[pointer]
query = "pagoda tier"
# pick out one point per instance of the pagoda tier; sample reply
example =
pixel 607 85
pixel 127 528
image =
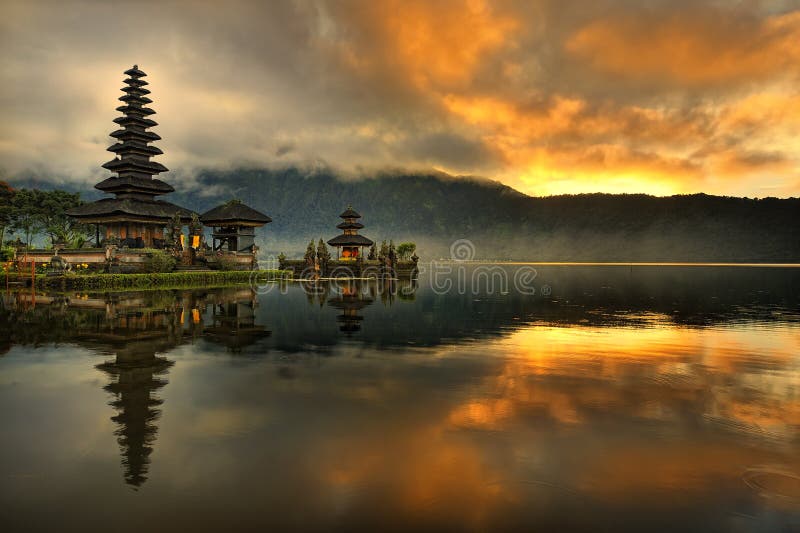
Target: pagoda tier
pixel 350 225
pixel 129 121
pixel 145 136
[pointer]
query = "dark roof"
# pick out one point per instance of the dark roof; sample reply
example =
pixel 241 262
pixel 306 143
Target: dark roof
pixel 129 109
pixel 350 225
pixel 132 147
pixel 234 211
pixel 135 72
pixel 134 82
pixel 130 206
pixel 138 90
pixel 350 213
pixel 147 136
pixel 146 185
pixel 350 302
pixel 135 98
pixel 350 240
pixel 128 120
pixel 136 165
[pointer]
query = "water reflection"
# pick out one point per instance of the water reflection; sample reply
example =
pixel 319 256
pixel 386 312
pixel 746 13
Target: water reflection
pixel 135 379
pixel 622 399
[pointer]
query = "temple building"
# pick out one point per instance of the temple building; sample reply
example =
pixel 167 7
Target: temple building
pixel 133 216
pixel 350 245
pixel 234 226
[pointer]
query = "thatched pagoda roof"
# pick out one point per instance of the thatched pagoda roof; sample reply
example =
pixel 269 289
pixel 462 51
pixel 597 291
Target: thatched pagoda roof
pixel 350 225
pixel 350 240
pixel 349 213
pixel 132 183
pixel 232 212
pixel 134 72
pixel 109 207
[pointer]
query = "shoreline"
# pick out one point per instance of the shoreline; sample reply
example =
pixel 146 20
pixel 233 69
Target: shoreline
pixel 161 280
pixel 623 263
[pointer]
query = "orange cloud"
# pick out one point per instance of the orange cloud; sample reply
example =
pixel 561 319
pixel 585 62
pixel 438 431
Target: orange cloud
pixel 432 44
pixel 689 47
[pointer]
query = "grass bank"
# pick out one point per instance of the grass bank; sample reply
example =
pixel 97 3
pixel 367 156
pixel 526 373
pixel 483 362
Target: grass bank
pixel 159 280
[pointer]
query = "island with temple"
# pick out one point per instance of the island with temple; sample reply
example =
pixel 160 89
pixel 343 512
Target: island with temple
pixel 357 256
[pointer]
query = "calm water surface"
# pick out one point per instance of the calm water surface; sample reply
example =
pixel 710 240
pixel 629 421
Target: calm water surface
pixel 613 398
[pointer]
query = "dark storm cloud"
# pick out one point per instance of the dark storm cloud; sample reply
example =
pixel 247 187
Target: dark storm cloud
pixel 546 96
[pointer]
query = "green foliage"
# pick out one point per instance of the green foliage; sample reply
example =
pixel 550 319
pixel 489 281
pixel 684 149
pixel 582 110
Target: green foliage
pixel 159 280
pixel 405 250
pixel 226 263
pixel 26 213
pixel 32 212
pixel 55 223
pixel 6 209
pixel 310 253
pixel 6 253
pixel 323 255
pixel 159 261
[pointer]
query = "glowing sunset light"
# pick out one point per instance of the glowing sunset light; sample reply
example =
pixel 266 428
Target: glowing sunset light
pixel 671 97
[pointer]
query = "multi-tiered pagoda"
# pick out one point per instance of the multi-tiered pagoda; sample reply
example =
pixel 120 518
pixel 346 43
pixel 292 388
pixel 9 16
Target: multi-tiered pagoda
pixel 350 245
pixel 133 216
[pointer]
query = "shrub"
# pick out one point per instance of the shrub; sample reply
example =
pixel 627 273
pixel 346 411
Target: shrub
pixel 6 253
pixel 163 280
pixel 159 261
pixel 224 262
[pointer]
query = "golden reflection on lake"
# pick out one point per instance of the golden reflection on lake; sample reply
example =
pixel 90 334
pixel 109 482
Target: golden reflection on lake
pixel 220 409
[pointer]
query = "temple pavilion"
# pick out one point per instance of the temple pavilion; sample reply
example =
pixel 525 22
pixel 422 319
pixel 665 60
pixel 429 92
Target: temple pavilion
pixel 234 226
pixel 133 215
pixel 350 245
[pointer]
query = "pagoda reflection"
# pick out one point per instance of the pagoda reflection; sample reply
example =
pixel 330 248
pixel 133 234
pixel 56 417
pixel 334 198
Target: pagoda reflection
pixel 350 297
pixel 135 330
pixel 233 320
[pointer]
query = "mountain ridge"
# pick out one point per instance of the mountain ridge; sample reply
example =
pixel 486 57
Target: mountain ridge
pixel 436 209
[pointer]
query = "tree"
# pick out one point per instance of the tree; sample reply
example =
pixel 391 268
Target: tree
pixel 373 253
pixel 310 254
pixel 6 209
pixel 384 250
pixel 405 250
pixel 55 222
pixel 27 215
pixel 322 254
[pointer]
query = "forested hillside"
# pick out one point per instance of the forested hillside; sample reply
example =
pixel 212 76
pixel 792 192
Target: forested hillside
pixel 505 224
pixel 435 210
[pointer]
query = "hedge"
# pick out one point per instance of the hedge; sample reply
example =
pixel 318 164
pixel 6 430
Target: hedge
pixel 161 279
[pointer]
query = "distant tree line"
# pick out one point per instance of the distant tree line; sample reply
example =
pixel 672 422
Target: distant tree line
pixel 32 213
pixel 435 210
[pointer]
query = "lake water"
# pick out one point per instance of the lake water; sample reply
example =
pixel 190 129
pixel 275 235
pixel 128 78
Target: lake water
pixel 584 398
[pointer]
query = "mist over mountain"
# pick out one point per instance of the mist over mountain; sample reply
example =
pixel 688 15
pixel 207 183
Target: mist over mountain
pixel 435 210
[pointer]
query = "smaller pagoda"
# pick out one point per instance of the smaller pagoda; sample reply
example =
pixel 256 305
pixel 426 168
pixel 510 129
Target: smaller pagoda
pixel 350 245
pixel 234 226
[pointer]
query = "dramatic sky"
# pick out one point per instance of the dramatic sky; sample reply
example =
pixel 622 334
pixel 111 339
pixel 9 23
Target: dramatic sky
pixel 547 96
